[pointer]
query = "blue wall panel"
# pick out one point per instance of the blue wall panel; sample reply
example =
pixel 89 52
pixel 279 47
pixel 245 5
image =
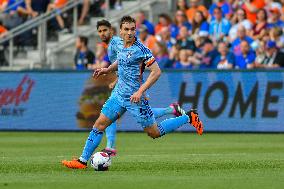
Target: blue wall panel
pixel 227 101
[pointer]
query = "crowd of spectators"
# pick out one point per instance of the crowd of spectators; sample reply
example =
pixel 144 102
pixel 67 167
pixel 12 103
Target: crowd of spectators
pixel 15 12
pixel 228 34
pixel 240 34
pixel 224 34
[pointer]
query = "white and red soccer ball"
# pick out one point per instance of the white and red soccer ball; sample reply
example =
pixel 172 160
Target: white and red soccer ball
pixel 100 161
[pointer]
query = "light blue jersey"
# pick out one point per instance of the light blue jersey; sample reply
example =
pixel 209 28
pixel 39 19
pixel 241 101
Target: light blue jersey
pixel 115 45
pixel 131 64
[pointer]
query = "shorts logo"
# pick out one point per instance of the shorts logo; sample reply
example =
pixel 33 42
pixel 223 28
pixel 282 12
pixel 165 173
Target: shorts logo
pixel 146 110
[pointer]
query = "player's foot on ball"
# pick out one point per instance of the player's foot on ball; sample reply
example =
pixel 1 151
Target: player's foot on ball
pixel 74 164
pixel 178 111
pixel 195 121
pixel 110 152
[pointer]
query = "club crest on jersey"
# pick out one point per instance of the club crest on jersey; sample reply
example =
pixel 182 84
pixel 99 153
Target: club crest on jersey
pixel 129 54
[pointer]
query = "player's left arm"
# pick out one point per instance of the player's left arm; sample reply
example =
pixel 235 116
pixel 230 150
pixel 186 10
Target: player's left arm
pixel 101 71
pixel 155 73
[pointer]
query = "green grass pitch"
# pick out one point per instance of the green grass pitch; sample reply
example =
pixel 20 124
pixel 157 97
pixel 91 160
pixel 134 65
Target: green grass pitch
pixel 180 160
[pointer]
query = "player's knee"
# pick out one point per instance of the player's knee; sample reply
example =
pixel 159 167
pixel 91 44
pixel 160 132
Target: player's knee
pixel 100 125
pixel 102 122
pixel 153 134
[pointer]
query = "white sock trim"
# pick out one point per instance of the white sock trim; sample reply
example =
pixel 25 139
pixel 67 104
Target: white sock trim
pixel 83 160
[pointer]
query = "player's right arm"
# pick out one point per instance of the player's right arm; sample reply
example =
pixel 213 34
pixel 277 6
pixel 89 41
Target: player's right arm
pixel 101 71
pixel 154 75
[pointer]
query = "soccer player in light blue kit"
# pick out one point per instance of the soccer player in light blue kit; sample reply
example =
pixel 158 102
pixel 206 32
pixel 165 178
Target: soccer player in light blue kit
pixel 115 44
pixel 130 95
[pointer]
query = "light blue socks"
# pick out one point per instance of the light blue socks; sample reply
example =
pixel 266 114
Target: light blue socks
pixel 92 143
pixel 169 125
pixel 159 112
pixel 111 135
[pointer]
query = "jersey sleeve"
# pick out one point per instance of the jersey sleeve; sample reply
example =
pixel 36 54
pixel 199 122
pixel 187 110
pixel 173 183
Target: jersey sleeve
pixel 114 48
pixel 147 56
pixel 112 54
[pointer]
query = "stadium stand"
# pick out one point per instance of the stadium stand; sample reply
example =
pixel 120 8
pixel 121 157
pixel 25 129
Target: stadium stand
pixel 196 34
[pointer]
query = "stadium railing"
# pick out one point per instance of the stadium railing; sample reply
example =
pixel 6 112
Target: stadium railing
pixel 18 2
pixel 91 31
pixel 40 22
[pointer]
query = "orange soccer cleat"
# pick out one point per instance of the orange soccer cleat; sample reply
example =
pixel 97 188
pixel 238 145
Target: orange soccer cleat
pixel 74 164
pixel 195 121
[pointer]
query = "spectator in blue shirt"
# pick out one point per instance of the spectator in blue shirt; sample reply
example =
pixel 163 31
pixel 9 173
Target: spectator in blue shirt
pixel 247 57
pixel 13 13
pixel 199 24
pixel 141 19
pixel 275 19
pixel 276 34
pixel 241 33
pixel 225 59
pixel 84 57
pixel 165 37
pixel 183 62
pixel 224 6
pixel 180 20
pixel 14 5
pixel 184 41
pixel 205 55
pixel 219 27
pixel 161 55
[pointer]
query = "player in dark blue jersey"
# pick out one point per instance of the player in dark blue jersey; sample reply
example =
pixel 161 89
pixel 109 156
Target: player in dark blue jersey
pixel 130 95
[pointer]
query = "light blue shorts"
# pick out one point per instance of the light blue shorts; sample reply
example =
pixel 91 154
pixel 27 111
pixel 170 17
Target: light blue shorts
pixel 116 106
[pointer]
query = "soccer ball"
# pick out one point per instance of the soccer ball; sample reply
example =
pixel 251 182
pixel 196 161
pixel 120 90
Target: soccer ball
pixel 100 161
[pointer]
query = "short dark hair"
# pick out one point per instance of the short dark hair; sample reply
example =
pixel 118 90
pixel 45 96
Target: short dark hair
pixel 208 40
pixel 245 41
pixel 103 23
pixel 84 40
pixel 165 16
pixel 127 19
pixel 219 9
pixel 223 42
